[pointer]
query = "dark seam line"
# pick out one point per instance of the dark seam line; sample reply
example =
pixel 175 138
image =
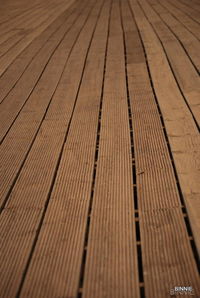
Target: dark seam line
pixel 177 38
pixel 134 175
pixel 40 49
pixel 32 42
pixel 22 36
pixel 188 226
pixel 186 4
pixel 21 13
pixel 174 16
pixel 84 256
pixel 37 131
pixel 55 173
pixel 185 13
pixel 171 68
pixel 35 85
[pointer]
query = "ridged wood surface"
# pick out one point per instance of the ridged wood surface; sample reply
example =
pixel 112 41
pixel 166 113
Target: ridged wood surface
pixel 99 148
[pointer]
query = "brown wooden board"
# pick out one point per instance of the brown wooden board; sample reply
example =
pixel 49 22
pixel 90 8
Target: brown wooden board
pixel 190 43
pixel 16 69
pixel 31 210
pixel 22 133
pixel 185 73
pixel 185 20
pixel 6 60
pixel 191 4
pixel 99 152
pixel 180 127
pixel 190 7
pixel 161 219
pixel 10 107
pixel 194 15
pixel 70 199
pixel 111 257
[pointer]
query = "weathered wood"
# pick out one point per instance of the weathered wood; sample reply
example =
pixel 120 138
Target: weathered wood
pixel 111 259
pixel 14 72
pixel 6 60
pixel 180 126
pixel 50 137
pixel 22 133
pixel 10 108
pixel 99 148
pixel 190 8
pixel 160 208
pixel 184 72
pixel 194 15
pixel 186 38
pixel 185 20
pixel 76 169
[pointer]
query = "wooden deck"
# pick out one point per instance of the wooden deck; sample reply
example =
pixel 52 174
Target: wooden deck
pixel 100 148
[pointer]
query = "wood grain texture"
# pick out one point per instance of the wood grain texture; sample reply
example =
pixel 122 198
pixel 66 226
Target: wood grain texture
pixel 188 9
pixel 14 72
pixel 181 129
pixel 6 60
pixel 186 38
pixel 26 85
pixel 51 140
pixel 185 20
pixel 184 72
pixel 99 148
pixel 111 263
pixel 64 231
pixel 25 128
pixel 160 213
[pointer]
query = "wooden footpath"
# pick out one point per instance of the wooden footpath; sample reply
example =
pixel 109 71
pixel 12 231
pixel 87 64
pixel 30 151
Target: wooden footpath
pixel 99 148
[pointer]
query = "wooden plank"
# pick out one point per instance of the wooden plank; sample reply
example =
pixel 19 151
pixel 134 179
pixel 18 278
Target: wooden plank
pixel 8 35
pixel 161 220
pixel 181 129
pixel 30 21
pixel 10 108
pixel 71 195
pixel 11 41
pixel 25 128
pixel 191 4
pixel 196 2
pixel 10 13
pixel 194 15
pixel 184 19
pixel 189 41
pixel 14 72
pixel 88 179
pixel 52 139
pixel 41 16
pixel 36 21
pixel 186 75
pixel 13 23
pixel 36 18
pixel 111 256
pixel 6 60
